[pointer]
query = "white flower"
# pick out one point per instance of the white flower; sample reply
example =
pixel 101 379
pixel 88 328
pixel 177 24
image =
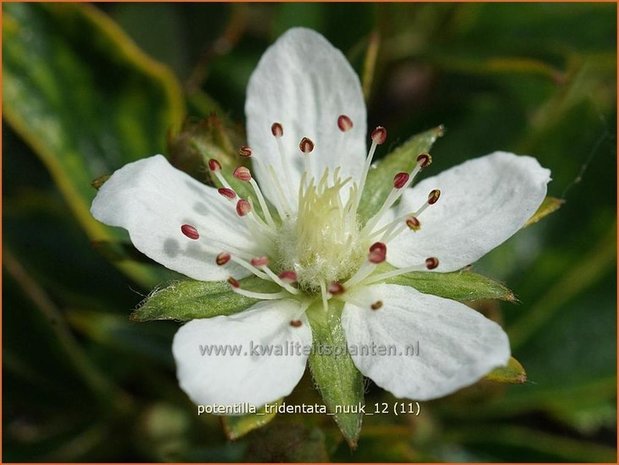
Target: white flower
pixel 306 123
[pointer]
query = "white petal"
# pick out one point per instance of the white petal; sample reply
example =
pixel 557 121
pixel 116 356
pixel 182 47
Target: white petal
pixel 227 379
pixel 483 202
pixel 152 200
pixel 457 345
pixel 304 83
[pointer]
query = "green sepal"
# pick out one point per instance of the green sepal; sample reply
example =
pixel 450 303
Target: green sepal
pixel 336 376
pixel 238 426
pixel 461 285
pixel 548 206
pixel 512 373
pixel 380 179
pixel 190 299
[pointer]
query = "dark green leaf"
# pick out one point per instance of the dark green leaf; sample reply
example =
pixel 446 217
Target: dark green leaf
pixel 460 285
pixel 86 100
pixel 337 378
pixel 380 179
pixel 188 300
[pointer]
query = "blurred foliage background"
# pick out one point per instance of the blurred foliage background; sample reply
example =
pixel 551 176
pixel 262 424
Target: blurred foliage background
pixel 88 88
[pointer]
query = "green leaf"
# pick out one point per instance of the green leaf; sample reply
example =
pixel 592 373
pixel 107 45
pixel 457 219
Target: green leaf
pixel 86 100
pixel 190 299
pixel 335 375
pixel 512 373
pixel 238 426
pixel 380 179
pixel 463 285
pixel 548 206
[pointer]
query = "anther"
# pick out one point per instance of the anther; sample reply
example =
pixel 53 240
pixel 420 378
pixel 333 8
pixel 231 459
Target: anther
pixel 336 288
pixel 277 130
pixel 227 193
pixel 378 253
pixel 413 223
pixel 306 145
pixel 424 160
pixel 377 305
pixel 190 231
pixel 242 173
pixel 243 207
pixel 288 276
pixel 214 165
pixel 222 258
pixel 431 263
pixel 296 323
pixel 379 135
pixel 344 123
pixel 434 196
pixel 245 151
pixel 260 261
pixel 400 180
pixel 234 283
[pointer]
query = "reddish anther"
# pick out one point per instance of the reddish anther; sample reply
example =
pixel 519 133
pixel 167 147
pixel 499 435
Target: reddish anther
pixel 190 231
pixel 245 151
pixel 233 282
pixel 214 165
pixel 378 253
pixel 296 323
pixel 222 258
pixel 336 288
pixel 277 130
pixel 243 207
pixel 413 223
pixel 431 263
pixel 344 123
pixel 306 145
pixel 288 276
pixel 242 174
pixel 260 261
pixel 424 160
pixel 227 193
pixel 434 196
pixel 379 135
pixel 377 305
pixel 400 180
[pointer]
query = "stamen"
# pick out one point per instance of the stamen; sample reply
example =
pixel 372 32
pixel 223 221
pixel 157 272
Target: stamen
pixel 277 280
pixel 378 253
pixel 296 323
pixel 431 263
pixel 434 196
pixel 243 207
pixel 190 231
pixel 336 288
pixel 288 276
pixel 344 123
pixel 379 135
pixel 306 145
pixel 245 151
pixel 214 165
pixel 222 258
pixel 400 180
pixel 242 173
pixel 260 295
pixel 277 130
pixel 325 296
pixel 413 223
pixel 260 261
pixel 234 283
pixel 227 193
pixel 377 305
pixel 424 160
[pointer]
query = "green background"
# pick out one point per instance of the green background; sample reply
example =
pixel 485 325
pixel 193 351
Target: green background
pixel 87 89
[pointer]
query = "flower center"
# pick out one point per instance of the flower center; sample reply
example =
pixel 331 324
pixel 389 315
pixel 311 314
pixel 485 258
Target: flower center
pixel 323 243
